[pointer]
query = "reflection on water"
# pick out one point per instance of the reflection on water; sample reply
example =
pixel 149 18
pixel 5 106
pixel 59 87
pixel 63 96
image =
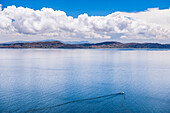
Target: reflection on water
pixel 42 78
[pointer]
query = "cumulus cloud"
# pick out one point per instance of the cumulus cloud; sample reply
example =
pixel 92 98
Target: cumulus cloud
pixel 152 15
pixel 149 24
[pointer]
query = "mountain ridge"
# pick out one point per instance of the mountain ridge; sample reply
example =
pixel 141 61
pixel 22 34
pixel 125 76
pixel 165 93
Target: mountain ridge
pixel 107 44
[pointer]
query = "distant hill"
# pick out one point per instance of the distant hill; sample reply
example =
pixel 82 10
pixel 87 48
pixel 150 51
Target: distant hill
pixel 58 44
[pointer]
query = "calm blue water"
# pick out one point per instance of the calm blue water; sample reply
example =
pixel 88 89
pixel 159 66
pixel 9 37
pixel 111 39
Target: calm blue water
pixel 39 78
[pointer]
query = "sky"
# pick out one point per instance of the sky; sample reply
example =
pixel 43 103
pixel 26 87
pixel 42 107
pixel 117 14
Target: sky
pixel 88 20
pixel 91 7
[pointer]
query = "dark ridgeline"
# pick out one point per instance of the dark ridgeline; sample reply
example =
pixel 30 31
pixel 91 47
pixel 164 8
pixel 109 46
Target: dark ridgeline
pixel 57 44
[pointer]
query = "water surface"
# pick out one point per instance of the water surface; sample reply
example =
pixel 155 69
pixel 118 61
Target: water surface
pixel 40 78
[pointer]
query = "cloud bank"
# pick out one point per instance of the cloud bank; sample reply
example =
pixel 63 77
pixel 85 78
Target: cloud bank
pixel 26 22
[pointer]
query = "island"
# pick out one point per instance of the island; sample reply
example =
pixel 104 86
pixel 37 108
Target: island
pixel 58 44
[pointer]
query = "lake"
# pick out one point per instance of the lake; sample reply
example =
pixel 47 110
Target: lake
pixel 37 80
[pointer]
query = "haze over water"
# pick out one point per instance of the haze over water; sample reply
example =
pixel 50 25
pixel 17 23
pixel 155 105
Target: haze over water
pixel 40 78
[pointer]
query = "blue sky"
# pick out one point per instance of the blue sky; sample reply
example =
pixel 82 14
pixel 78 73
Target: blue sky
pixel 87 20
pixel 91 7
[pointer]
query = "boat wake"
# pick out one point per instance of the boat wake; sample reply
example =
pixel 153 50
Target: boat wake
pixel 49 107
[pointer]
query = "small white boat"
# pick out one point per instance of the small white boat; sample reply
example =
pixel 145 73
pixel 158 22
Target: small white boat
pixel 122 92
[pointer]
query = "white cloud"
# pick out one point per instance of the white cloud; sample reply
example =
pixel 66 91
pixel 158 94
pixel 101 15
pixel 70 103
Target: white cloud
pixel 152 15
pixel 26 22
